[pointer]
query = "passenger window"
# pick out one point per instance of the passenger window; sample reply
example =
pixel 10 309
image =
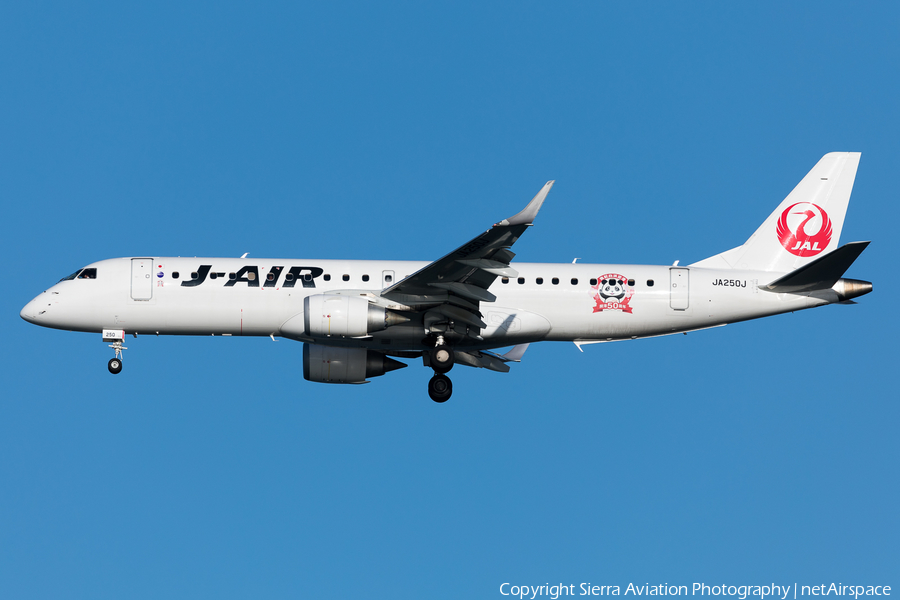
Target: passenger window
pixel 649 283
pixel 326 277
pixel 574 281
pixel 88 274
pixel 593 282
pixel 521 280
pixel 270 277
pixel 388 278
pixel 213 275
pixel 194 275
pixel 346 278
pixel 175 275
pixel 555 281
pixel 539 280
pixel 289 277
pixel 251 276
pixel 505 280
pixel 232 276
pixel 631 282
pixel 365 278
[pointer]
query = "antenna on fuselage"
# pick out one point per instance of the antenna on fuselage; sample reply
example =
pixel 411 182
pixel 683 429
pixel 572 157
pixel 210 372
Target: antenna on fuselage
pixel 244 255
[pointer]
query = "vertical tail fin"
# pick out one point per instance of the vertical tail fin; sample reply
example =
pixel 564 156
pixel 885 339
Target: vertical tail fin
pixel 806 225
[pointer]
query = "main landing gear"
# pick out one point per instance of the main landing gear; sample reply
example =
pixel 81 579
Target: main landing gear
pixel 441 360
pixel 440 387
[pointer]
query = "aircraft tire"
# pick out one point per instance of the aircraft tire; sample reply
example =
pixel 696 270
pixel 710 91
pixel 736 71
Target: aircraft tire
pixel 440 388
pixel 114 366
pixel 441 359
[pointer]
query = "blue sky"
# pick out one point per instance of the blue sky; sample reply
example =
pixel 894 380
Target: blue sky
pixel 756 453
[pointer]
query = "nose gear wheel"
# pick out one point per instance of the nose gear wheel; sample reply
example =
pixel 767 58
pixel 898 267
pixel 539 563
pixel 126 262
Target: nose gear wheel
pixel 115 364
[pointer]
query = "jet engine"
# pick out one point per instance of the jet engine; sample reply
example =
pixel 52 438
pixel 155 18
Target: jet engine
pixel 327 364
pixel 327 315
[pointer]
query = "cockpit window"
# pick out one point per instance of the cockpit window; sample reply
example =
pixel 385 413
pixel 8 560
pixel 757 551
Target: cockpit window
pixel 81 274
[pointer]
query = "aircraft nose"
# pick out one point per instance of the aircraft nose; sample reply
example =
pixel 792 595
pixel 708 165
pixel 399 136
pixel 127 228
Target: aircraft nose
pixel 29 312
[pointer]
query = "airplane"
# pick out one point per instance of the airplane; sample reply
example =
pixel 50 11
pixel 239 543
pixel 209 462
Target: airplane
pixel 356 318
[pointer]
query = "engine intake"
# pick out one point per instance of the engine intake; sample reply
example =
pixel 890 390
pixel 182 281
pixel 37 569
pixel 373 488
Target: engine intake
pixel 327 315
pixel 327 364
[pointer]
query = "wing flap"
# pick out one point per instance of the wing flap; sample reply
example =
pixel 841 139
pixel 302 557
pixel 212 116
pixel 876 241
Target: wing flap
pixel 493 267
pixel 471 292
pixel 459 314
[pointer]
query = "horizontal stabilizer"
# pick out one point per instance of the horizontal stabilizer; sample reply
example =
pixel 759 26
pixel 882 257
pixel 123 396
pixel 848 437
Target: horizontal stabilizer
pixel 820 274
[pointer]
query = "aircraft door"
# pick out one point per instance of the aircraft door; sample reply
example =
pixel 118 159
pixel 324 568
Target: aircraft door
pixel 679 288
pixel 141 278
pixel 387 279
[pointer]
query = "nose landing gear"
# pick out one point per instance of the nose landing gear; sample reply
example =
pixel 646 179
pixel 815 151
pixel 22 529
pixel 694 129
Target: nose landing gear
pixel 116 336
pixel 115 364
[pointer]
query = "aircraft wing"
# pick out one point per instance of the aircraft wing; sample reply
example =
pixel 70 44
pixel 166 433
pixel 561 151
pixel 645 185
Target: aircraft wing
pixel 460 280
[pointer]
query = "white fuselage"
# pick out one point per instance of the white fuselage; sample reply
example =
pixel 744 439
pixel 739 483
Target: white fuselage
pixel 546 302
pixel 356 317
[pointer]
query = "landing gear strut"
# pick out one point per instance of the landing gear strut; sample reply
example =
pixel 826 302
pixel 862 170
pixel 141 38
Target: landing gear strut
pixel 441 359
pixel 115 364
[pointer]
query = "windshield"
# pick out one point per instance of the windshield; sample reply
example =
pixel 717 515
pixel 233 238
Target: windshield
pixel 81 274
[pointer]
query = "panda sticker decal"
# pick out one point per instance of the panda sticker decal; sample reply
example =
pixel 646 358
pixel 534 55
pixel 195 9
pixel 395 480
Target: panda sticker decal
pixel 612 292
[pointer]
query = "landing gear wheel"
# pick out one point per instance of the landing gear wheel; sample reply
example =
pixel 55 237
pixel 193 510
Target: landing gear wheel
pixel 441 358
pixel 440 387
pixel 115 365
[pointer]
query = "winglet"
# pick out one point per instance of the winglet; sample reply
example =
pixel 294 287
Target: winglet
pixel 515 355
pixel 526 217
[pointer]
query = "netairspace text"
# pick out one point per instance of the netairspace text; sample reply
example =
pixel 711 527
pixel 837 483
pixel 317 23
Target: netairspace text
pixel 741 592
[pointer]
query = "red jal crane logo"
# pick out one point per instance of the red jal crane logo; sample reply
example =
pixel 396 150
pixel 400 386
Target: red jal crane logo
pixel 805 217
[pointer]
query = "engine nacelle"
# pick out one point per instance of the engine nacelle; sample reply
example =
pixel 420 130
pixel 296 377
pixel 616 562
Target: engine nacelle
pixel 327 315
pixel 327 364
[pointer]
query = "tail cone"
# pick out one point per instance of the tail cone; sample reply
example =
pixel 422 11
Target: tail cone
pixel 377 364
pixel 848 289
pixel 392 318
